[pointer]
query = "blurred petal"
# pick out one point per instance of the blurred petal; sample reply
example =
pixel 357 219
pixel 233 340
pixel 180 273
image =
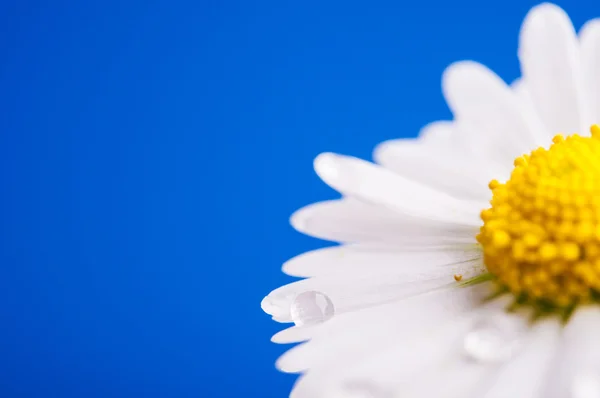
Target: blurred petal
pixel 551 66
pixel 590 55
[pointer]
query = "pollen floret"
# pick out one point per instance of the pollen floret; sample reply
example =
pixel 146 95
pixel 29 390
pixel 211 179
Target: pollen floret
pixel 541 236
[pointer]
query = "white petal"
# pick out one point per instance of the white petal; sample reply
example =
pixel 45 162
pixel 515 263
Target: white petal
pixel 439 167
pixel 551 66
pixel 454 373
pixel 405 344
pixel 579 355
pixel 372 259
pixel 439 134
pixel 355 291
pixel 374 184
pixel 349 220
pixel 457 144
pixel 343 323
pixel 590 55
pixel 361 332
pixel 525 376
pixel 520 89
pixel 345 220
pixel 486 109
pixel 295 334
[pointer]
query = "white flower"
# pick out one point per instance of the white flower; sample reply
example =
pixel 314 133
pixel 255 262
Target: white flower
pixel 407 306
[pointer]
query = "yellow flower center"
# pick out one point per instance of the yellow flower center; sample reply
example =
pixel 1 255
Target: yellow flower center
pixel 541 236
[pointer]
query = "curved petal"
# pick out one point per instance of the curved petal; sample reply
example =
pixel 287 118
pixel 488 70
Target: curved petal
pixel 355 291
pixel 374 184
pixel 578 362
pixel 590 55
pixel 436 167
pixel 376 259
pixel 551 65
pixel 387 357
pixel 439 134
pixel 456 372
pixel 349 220
pixel 494 120
pixel 525 376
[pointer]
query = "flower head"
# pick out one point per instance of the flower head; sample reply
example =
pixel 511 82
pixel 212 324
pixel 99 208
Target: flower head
pixel 446 284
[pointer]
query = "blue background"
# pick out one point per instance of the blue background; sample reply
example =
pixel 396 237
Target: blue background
pixel 152 151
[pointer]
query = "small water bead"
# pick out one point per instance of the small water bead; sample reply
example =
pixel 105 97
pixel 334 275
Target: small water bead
pixel 493 339
pixel 311 308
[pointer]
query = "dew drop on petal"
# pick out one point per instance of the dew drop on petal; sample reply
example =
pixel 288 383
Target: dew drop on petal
pixel 311 308
pixel 585 385
pixel 493 339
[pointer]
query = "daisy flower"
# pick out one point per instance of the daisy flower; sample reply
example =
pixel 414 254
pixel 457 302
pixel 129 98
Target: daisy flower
pixel 469 258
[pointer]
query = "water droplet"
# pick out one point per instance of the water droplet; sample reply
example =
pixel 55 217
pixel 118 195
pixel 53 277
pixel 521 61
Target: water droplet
pixel 493 339
pixel 310 308
pixel 362 389
pixel 585 386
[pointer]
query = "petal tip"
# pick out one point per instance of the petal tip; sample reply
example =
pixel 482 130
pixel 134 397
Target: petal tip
pixel 544 16
pixel 287 364
pixel 269 306
pixel 299 221
pixel 291 335
pixel 456 73
pixel 381 151
pixel 590 29
pixel 546 7
pixel 326 167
